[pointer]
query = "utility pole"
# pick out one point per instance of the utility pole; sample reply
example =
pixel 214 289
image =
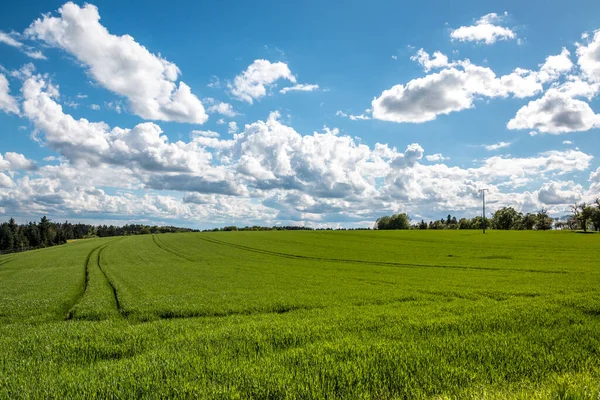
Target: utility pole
pixel 483 194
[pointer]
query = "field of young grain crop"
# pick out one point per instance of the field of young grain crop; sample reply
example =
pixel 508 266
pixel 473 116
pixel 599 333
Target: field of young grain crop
pixel 323 314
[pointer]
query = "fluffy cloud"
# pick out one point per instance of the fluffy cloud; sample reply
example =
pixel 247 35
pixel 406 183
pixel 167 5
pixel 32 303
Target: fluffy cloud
pixel 142 149
pixel 222 108
pixel 589 57
pixel 12 40
pixel 232 127
pixel 15 161
pixel 209 134
pixel 435 157
pixel 272 155
pixel 496 146
pixel 300 88
pixel 460 83
pixel 554 66
pixel 267 172
pixel 7 102
pixel 360 117
pixel 555 113
pixel 252 84
pixel 439 60
pixel 449 90
pixel 120 64
pixel 560 193
pixel 485 30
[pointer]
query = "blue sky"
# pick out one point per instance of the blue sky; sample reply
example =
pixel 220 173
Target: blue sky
pixel 328 114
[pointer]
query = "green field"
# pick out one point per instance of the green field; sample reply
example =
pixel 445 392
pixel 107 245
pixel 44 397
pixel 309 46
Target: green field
pixel 323 314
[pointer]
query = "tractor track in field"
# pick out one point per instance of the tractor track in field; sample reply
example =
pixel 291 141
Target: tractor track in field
pixel 88 258
pixel 382 263
pixel 112 286
pixel 169 249
pixel 7 261
pixel 85 282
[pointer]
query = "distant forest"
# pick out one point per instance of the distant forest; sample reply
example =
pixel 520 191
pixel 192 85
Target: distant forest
pixel 584 217
pixel 45 233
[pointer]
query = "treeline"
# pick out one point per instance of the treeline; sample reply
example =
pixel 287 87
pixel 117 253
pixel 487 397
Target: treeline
pixel 45 233
pixel 585 217
pixel 278 228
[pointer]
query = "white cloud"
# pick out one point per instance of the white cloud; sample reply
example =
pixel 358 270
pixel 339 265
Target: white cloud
pixel 143 149
pixel 360 117
pixel 589 57
pixel 5 181
pixel 450 90
pixel 436 157
pixel 232 127
pixel 439 60
pixel 11 40
pixel 95 107
pixel 485 30
pixel 554 66
pixel 560 193
pixel 120 64
pixel 461 83
pixel 496 146
pixel 567 142
pixel 300 88
pixel 15 161
pixel 7 102
pixel 555 113
pixel 253 82
pixel 223 109
pixel 210 134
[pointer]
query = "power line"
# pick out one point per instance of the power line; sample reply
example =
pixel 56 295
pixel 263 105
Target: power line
pixel 483 215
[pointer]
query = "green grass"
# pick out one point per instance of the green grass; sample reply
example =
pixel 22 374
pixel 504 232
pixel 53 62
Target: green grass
pixel 356 314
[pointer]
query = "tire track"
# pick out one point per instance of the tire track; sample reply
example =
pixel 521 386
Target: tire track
pixel 7 261
pixel 85 283
pixel 382 263
pixel 169 249
pixel 112 286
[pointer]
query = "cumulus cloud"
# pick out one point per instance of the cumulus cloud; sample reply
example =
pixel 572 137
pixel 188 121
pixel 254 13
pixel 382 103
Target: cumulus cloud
pixel 560 193
pixel 120 64
pixel 7 102
pixel 252 84
pixel 554 66
pixel 436 157
pixel 439 60
pixel 15 161
pixel 449 90
pixel 555 113
pixel 486 30
pixel 222 108
pixel 232 127
pixel 143 149
pixel 496 146
pixel 300 88
pixel 588 55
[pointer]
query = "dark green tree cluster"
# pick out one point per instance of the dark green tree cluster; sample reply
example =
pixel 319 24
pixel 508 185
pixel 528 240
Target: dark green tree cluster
pixel 503 219
pixel 586 216
pixel 45 233
pixel 233 228
pixel 507 218
pixel 396 221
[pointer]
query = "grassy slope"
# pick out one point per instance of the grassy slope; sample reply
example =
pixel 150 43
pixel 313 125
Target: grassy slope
pixel 304 314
